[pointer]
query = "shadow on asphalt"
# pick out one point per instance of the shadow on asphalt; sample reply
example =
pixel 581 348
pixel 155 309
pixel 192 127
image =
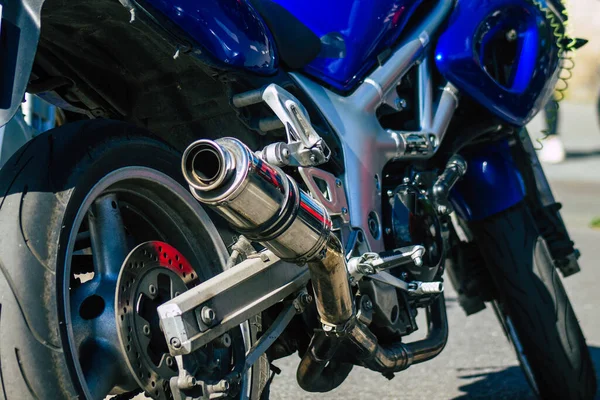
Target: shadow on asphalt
pixel 508 381
pixel 571 155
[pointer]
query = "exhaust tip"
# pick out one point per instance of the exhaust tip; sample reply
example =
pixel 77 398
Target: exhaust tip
pixel 204 165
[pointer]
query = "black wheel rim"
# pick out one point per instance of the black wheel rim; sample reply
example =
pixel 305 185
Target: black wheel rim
pixel 127 207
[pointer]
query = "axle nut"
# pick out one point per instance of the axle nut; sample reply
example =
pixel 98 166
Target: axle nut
pixel 208 315
pixel 175 343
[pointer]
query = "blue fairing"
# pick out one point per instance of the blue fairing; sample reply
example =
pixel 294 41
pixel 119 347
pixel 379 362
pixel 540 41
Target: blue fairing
pixel 358 31
pixel 464 49
pixel 492 183
pixel 230 30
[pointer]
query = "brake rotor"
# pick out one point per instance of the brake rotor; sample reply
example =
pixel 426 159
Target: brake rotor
pixel 152 274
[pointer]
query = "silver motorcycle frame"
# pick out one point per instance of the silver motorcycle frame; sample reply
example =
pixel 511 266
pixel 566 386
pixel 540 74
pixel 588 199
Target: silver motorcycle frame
pixel 367 146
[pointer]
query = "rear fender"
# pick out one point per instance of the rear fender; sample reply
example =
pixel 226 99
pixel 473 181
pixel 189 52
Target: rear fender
pixel 19 35
pixel 230 30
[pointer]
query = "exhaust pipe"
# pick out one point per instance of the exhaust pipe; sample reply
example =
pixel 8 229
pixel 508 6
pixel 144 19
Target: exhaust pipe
pixel 399 356
pixel 315 374
pixel 205 166
pixel 264 204
pixel 259 200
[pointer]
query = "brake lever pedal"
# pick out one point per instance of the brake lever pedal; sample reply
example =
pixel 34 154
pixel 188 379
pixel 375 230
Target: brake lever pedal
pixel 372 263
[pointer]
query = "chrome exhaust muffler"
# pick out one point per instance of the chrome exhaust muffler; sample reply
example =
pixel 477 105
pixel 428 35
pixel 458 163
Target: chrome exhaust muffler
pixel 258 199
pixel 265 205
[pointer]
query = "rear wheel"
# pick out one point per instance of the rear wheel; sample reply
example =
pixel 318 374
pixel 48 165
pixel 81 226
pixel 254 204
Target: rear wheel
pixel 533 307
pixel 75 201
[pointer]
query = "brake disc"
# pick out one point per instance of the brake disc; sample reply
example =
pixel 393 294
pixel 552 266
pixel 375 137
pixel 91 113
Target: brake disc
pixel 153 273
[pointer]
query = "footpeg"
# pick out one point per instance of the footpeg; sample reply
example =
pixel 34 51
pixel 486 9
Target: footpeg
pixel 421 288
pixel 414 288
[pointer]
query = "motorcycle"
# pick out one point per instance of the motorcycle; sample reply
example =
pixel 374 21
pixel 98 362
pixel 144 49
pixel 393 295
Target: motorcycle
pixel 237 181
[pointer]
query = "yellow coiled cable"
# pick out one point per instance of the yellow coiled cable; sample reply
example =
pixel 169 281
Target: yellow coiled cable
pixel 566 47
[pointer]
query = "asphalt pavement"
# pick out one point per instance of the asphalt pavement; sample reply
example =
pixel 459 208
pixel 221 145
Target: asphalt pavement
pixel 478 362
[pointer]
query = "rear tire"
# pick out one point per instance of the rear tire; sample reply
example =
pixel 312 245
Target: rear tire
pixel 42 188
pixel 533 301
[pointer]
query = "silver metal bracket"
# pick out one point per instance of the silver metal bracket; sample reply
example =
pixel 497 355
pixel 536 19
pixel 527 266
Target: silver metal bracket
pixel 185 386
pixel 207 311
pixel 304 146
pixel 327 189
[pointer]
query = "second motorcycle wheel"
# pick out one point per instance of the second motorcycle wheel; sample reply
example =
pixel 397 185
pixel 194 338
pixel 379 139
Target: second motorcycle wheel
pixel 533 307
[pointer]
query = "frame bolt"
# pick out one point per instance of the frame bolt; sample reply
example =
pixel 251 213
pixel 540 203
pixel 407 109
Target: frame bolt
pixel 146 330
pixel 511 35
pixel 297 306
pixel 191 381
pixel 220 387
pixel 223 341
pixel 400 104
pixel 344 210
pixel 368 305
pixel 208 315
pixel 175 343
pixel 186 382
pixel 418 261
pixel 306 298
pixel 169 361
pixel 338 183
pixel 152 289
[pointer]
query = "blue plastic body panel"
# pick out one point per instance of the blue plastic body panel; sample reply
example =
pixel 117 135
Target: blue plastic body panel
pixel 491 185
pixel 230 30
pixel 461 48
pixel 365 28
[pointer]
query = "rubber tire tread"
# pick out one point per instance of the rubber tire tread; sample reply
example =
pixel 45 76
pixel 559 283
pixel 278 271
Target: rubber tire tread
pixel 534 298
pixel 38 185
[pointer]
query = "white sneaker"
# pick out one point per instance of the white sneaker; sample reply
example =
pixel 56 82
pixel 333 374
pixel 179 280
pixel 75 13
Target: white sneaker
pixel 553 151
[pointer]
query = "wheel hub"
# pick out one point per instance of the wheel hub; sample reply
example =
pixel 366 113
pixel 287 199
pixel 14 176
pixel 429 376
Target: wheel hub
pixel 152 274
